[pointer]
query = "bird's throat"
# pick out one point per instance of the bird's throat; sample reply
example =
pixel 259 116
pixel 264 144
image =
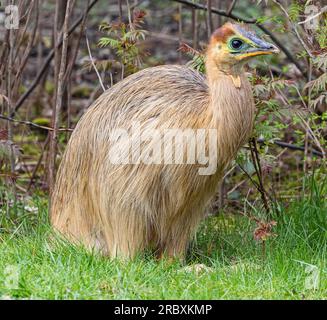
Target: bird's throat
pixel 217 72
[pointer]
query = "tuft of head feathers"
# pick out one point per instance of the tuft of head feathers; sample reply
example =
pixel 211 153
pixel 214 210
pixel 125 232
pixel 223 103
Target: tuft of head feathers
pixel 222 34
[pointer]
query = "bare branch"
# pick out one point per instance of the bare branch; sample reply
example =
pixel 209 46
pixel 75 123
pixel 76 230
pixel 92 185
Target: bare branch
pixel 48 60
pixel 32 124
pixel 214 10
pixel 292 147
pixel 209 18
pixel 59 96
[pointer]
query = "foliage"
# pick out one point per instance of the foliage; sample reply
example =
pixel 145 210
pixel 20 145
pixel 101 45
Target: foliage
pixel 123 39
pixel 197 58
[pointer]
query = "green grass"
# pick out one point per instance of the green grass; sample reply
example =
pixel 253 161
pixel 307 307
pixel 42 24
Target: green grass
pixel 42 267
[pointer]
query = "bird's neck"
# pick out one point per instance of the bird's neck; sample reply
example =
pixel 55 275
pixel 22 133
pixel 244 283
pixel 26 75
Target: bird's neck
pixel 216 71
pixel 232 110
pixel 213 77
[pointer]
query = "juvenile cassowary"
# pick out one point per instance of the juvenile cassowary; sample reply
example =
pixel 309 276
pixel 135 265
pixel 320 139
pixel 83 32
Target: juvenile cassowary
pixel 124 205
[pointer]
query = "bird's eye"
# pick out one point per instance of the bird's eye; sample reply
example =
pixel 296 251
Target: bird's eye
pixel 236 43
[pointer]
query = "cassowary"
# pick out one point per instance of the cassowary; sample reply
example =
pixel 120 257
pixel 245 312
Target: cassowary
pixel 115 192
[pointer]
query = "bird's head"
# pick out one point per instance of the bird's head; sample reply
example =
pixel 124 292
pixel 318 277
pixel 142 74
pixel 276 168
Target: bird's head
pixel 233 44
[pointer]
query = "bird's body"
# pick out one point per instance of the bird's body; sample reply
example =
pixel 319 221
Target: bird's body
pixel 123 209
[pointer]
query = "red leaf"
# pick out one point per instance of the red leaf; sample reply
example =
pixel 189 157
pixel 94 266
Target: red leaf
pixel 3 134
pixel 263 231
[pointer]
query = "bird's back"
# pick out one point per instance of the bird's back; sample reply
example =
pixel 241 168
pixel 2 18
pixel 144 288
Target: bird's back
pixel 165 96
pixel 169 94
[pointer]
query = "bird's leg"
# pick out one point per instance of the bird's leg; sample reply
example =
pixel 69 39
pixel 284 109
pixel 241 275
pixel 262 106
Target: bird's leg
pixel 126 236
pixel 174 244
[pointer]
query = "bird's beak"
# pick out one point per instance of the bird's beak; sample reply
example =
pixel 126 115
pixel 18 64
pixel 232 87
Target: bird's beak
pixel 261 47
pixel 259 51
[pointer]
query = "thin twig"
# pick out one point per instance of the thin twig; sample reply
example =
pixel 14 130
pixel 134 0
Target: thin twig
pixel 231 7
pixel 209 18
pixel 257 167
pixel 249 176
pixel 195 28
pixel 34 125
pixel 180 29
pixel 323 10
pixel 93 64
pixel 38 164
pixel 10 75
pixel 120 4
pixel 75 54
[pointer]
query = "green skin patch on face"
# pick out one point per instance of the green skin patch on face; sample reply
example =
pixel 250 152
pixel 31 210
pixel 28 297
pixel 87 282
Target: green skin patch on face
pixel 243 48
pixel 248 43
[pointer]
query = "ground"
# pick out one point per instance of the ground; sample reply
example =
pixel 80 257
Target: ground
pixel 224 261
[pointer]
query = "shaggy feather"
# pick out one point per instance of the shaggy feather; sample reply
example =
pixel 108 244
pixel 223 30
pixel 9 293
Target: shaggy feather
pixel 124 209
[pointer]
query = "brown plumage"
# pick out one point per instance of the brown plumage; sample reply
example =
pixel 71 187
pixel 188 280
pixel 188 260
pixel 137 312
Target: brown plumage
pixel 124 209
